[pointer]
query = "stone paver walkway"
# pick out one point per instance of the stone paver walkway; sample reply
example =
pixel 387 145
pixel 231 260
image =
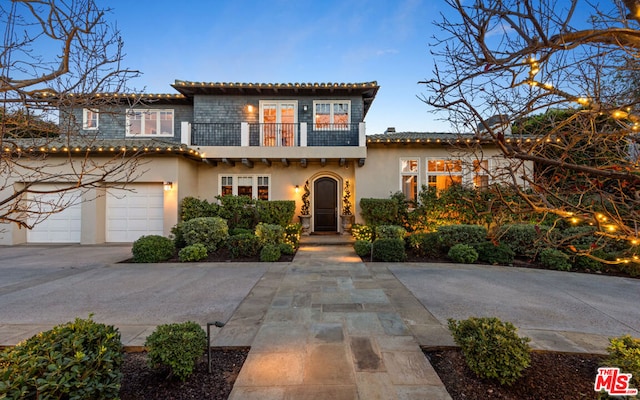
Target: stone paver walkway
pixel 327 326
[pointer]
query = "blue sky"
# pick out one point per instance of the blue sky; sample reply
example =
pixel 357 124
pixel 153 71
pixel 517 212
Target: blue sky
pixel 282 41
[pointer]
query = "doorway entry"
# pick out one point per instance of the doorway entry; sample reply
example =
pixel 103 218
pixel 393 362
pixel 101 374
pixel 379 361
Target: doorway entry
pixel 325 201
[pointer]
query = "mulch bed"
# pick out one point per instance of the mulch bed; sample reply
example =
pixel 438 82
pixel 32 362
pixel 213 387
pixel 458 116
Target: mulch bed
pixel 551 376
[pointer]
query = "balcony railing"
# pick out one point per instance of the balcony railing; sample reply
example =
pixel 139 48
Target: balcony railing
pixel 276 135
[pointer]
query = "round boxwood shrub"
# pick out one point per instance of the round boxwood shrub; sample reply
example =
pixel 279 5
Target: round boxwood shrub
pixel 194 252
pixel 492 348
pixel 177 347
pixel 287 248
pixel 490 253
pixel 555 259
pixel 76 360
pixel 152 249
pixel 270 233
pixel 450 235
pixel 390 232
pixel 463 253
pixel 362 248
pixel 212 232
pixel 270 253
pixel 389 250
pixel 243 245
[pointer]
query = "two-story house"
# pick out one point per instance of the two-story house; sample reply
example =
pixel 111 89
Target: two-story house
pixel 262 140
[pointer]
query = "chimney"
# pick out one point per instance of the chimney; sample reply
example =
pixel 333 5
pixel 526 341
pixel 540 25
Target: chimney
pixel 390 129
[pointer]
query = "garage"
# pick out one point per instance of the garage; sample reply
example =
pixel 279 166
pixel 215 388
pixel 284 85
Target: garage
pixel 59 227
pixel 135 211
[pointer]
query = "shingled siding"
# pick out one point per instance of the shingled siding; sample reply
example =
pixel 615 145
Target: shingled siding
pixel 112 122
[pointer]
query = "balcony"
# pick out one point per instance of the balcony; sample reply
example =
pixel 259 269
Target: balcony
pixel 264 141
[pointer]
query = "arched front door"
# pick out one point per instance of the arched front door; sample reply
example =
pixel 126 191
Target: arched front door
pixel 325 202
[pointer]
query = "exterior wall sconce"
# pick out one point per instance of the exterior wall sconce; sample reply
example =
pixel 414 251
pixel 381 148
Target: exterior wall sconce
pixel 297 189
pixel 168 186
pixel 305 108
pixel 249 108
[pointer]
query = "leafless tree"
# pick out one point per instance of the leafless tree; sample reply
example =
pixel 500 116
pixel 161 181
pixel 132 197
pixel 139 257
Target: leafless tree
pixel 563 74
pixel 57 55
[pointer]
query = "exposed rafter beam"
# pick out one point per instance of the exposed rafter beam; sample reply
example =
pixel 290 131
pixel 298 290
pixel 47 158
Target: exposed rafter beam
pixel 248 163
pixel 342 162
pixel 323 162
pixel 303 162
pixel 229 162
pixel 285 162
pixel 361 162
pixel 210 162
pixel 266 162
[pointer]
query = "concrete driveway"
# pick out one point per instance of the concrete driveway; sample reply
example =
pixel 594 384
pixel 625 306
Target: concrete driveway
pixel 41 286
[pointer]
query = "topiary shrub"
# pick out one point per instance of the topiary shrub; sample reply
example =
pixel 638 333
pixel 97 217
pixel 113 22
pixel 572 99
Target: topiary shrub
pixel 76 360
pixel 177 347
pixel 270 253
pixel 362 248
pixel 389 250
pixel 492 348
pixel 425 244
pixel 390 232
pixel 287 248
pixel 194 252
pixel 212 232
pixel 490 253
pixel 152 249
pixel 243 245
pixel 525 240
pixel 554 259
pixel 269 233
pixel 463 253
pixel 362 232
pixel 624 353
pixel 451 235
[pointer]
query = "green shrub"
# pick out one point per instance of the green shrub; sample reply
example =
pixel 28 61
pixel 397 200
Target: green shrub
pixel 243 245
pixel 191 208
pixel 176 346
pixel 490 253
pixel 362 248
pixel 210 231
pixel 524 239
pixel 492 348
pixel 362 232
pixel 238 231
pixel 76 360
pixel 451 235
pixel 269 233
pixel 390 232
pixel 624 353
pixel 239 211
pixel 287 249
pixel 554 259
pixel 279 212
pixel 425 244
pixel 379 211
pixel 270 253
pixel 389 250
pixel 177 236
pixel 194 252
pixel 584 263
pixel 292 234
pixel 463 253
pixel 152 249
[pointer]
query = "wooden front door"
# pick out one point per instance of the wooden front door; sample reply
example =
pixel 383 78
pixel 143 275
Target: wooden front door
pixel 325 200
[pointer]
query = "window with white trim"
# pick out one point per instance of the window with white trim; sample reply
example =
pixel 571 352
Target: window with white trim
pixel 443 173
pixel 409 170
pixel 331 114
pixel 481 174
pixel 254 186
pixel 90 119
pixel 157 123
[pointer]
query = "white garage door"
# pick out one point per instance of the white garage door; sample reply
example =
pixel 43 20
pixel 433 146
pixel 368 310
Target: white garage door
pixel 134 212
pixel 59 227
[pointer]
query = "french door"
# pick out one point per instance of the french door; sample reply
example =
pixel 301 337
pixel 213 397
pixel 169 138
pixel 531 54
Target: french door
pixel 278 123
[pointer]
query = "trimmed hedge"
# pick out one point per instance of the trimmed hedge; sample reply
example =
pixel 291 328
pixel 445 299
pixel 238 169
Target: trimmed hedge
pixel 152 249
pixel 212 232
pixel 451 235
pixel 362 248
pixel 194 252
pixel 390 232
pixel 191 207
pixel 270 233
pixel 389 250
pixel 524 239
pixel 243 245
pixel 426 244
pixel 76 360
pixel 379 211
pixel 270 253
pixel 279 212
pixel 554 259
pixel 490 253
pixel 463 253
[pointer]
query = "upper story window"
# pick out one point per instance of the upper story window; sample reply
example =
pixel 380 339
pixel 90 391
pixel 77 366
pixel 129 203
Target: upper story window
pixel 443 173
pixel 409 169
pixel 331 114
pixel 90 118
pixel 149 122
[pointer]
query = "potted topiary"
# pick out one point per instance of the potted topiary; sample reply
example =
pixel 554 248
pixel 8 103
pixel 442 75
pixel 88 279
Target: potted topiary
pixel 305 215
pixel 346 216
